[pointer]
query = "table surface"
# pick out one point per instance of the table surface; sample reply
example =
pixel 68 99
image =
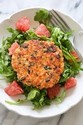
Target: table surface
pixel 75 9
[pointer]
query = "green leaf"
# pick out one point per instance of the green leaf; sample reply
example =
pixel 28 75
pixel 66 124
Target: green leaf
pixel 43 16
pixel 33 94
pixel 57 34
pixel 19 101
pixel 11 30
pixel 60 38
pixel 61 96
pixel 41 100
pixel 68 72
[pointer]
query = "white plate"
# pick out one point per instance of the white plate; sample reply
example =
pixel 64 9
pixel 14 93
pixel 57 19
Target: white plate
pixel 73 96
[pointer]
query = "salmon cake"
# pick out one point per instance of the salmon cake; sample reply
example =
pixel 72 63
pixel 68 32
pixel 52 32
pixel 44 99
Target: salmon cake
pixel 38 63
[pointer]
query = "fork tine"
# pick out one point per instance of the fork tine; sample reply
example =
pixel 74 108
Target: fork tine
pixel 65 24
pixel 56 22
pixel 57 19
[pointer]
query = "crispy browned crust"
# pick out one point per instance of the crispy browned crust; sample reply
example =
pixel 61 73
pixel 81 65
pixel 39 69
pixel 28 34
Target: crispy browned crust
pixel 38 63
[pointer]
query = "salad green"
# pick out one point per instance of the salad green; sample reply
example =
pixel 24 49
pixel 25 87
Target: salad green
pixel 60 38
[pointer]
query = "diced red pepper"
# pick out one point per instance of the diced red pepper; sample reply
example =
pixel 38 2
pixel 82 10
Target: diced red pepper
pixel 70 83
pixel 13 89
pixel 42 31
pixel 23 24
pixel 54 91
pixel 75 55
pixel 13 47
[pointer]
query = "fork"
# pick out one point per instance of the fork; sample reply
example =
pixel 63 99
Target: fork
pixel 58 21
